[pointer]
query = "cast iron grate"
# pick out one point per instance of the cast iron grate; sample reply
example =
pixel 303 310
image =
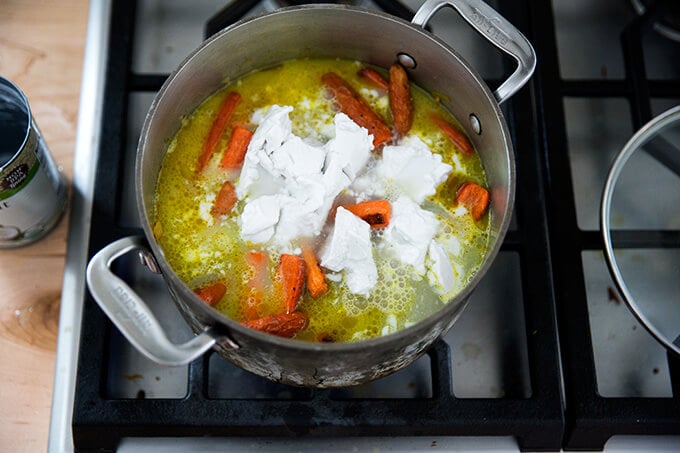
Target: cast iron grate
pixel 536 421
pixel 236 10
pixel 590 418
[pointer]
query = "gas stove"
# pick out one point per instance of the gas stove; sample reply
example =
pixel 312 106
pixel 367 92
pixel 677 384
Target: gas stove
pixel 544 358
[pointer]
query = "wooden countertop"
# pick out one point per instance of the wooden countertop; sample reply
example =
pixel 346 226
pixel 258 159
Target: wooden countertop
pixel 41 50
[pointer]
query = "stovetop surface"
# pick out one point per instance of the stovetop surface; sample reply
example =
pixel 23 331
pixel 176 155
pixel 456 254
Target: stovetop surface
pixel 544 357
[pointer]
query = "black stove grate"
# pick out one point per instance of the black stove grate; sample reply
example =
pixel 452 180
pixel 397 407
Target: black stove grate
pixel 590 418
pixel 236 10
pixel 552 289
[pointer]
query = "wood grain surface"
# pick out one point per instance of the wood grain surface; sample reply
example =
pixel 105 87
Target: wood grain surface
pixel 41 50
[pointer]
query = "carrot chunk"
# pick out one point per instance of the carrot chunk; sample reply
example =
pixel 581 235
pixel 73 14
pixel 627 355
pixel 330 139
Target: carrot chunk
pixel 227 108
pixel 401 102
pixel 225 201
pixel 211 294
pixel 353 105
pixel 236 150
pixel 374 212
pixel 316 280
pixel 374 78
pixel 291 272
pixel 474 197
pixel 157 230
pixel 459 139
pixel 257 262
pixel 282 325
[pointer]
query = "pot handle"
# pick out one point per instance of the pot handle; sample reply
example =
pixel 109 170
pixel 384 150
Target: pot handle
pixel 132 316
pixel 496 30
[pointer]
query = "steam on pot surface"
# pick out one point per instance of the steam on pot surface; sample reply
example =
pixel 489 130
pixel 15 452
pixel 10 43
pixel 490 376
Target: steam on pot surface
pixel 323 200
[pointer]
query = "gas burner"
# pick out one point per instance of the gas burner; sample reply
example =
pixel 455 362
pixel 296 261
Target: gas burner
pixel 668 24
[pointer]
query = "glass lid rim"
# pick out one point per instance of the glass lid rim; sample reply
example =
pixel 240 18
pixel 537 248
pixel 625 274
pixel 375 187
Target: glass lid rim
pixel 641 137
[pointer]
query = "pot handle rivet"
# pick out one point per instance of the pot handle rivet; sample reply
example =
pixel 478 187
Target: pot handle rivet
pixel 406 60
pixel 476 125
pixel 149 261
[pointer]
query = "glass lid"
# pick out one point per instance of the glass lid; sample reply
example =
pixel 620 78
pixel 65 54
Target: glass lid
pixel 640 223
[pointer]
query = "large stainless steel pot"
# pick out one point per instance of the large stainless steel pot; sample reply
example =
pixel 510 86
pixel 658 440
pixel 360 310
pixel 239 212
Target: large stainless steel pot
pixel 261 42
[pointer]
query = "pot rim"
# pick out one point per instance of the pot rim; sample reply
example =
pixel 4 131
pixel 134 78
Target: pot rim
pixel 226 324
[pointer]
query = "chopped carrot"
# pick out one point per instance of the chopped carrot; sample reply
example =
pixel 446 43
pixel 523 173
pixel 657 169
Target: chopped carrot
pixel 291 272
pixel 374 78
pixel 282 325
pixel 401 102
pixel 474 197
pixel 257 262
pixel 458 138
pixel 225 201
pixel 374 212
pixel 316 280
pixel 227 108
pixel 211 294
pixel 353 105
pixel 157 230
pixel 236 150
pixel 256 259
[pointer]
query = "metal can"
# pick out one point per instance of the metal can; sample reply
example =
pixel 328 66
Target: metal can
pixel 33 192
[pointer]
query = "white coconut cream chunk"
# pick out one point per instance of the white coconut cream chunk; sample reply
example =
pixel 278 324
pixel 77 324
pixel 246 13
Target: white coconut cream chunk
pixel 348 249
pixel 348 151
pixel 440 270
pixel 409 233
pixel 303 176
pixel 259 218
pixel 409 168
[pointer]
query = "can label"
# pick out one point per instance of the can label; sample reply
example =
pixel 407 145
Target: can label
pixel 32 190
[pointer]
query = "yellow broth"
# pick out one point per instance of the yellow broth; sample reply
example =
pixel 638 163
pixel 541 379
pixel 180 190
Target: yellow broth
pixel 201 253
